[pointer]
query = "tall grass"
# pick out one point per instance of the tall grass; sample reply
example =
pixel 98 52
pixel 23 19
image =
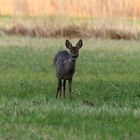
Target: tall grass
pixel 117 19
pixel 78 8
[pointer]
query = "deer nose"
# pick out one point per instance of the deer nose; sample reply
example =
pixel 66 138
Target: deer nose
pixel 74 57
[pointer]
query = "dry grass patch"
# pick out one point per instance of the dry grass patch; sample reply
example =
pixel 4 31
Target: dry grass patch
pixel 72 31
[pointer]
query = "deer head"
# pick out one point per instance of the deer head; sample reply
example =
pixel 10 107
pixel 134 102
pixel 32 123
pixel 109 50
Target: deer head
pixel 74 50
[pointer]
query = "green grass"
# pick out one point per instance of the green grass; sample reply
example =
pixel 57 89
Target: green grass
pixel 107 75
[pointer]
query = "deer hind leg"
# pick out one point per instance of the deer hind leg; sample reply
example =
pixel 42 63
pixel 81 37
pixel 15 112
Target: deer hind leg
pixel 64 87
pixel 59 87
pixel 70 87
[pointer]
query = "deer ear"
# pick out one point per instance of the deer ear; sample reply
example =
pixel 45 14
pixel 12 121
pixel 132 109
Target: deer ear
pixel 79 44
pixel 68 44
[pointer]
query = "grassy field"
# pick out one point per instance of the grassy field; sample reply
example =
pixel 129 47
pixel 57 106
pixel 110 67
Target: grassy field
pixel 106 91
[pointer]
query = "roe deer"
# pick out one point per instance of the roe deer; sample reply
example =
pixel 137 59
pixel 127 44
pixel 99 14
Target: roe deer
pixel 64 63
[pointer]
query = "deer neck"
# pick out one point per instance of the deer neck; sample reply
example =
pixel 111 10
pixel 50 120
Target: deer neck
pixel 71 62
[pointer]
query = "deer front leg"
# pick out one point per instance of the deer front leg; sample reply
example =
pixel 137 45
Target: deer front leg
pixel 70 85
pixel 60 91
pixel 59 87
pixel 64 87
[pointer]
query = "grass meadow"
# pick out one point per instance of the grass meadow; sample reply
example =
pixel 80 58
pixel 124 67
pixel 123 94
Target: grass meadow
pixel 106 91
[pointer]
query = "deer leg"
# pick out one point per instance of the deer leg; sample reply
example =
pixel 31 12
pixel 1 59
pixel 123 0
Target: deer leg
pixel 58 87
pixel 70 85
pixel 64 87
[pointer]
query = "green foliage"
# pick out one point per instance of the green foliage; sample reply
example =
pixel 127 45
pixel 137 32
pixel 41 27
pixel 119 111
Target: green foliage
pixel 106 91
